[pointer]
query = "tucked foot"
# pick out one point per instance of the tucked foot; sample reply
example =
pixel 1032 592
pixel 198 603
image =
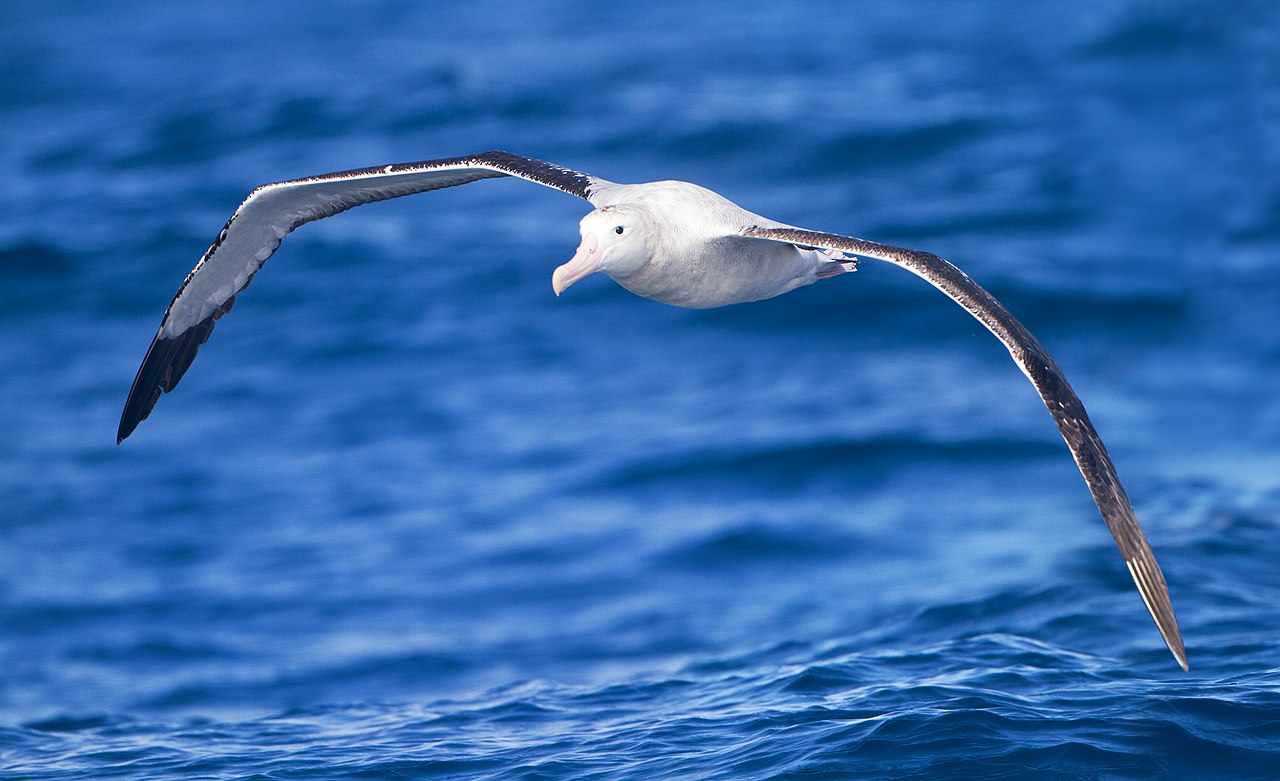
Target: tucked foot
pixel 837 268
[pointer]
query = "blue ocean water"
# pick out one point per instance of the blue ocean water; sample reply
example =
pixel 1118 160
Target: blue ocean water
pixel 411 516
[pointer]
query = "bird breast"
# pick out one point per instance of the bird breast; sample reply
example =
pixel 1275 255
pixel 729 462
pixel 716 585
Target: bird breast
pixel 722 271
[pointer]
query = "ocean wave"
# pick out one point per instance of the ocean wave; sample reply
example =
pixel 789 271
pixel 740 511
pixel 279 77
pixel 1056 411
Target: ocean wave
pixel 855 715
pixel 786 463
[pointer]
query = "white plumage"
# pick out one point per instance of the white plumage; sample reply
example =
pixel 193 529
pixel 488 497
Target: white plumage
pixel 674 242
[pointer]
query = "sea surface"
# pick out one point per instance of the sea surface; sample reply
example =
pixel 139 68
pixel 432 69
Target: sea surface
pixel 410 516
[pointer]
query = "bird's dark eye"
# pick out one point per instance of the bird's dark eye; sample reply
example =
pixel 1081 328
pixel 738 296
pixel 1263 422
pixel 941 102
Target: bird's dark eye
pixel 618 230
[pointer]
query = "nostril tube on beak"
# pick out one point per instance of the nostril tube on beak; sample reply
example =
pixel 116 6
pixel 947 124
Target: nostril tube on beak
pixel 584 262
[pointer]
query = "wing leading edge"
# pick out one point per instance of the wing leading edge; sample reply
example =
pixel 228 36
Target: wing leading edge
pixel 1058 396
pixel 270 213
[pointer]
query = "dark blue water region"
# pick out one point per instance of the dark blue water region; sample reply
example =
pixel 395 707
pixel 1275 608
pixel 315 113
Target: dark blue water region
pixel 988 706
pixel 412 516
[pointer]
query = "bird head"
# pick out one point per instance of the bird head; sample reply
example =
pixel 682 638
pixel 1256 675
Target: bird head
pixel 613 241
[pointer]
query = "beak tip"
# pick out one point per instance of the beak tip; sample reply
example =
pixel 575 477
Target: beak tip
pixel 585 261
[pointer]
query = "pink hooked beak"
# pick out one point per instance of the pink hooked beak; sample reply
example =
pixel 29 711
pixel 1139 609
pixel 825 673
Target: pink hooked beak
pixel 585 261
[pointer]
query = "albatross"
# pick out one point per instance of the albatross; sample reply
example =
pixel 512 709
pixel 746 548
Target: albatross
pixel 671 241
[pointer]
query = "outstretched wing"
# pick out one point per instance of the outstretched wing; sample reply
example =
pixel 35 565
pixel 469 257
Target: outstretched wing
pixel 269 214
pixel 1087 448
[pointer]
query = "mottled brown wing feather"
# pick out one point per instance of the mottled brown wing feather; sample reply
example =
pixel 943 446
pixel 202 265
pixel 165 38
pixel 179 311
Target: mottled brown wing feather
pixel 1063 404
pixel 271 212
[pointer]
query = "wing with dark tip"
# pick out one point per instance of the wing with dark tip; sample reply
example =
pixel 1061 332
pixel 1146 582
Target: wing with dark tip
pixel 269 214
pixel 1067 410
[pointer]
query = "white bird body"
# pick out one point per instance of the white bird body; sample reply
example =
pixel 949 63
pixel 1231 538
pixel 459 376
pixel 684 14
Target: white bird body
pixel 671 241
pixel 697 255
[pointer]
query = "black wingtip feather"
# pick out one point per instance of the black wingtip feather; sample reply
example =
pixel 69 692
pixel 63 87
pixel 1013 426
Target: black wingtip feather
pixel 1063 404
pixel 167 360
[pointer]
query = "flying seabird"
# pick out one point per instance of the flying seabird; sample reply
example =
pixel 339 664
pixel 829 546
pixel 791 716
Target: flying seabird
pixel 671 241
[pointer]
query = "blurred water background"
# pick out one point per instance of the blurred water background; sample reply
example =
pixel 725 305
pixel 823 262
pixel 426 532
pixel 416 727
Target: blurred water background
pixel 411 516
